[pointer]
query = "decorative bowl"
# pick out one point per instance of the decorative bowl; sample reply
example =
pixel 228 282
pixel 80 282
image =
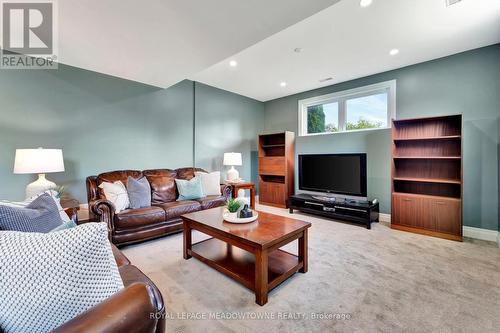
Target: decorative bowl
pixel 228 217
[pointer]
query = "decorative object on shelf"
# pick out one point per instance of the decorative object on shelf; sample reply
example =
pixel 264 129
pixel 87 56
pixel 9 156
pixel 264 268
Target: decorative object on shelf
pixel 38 161
pixel 245 212
pixel 276 168
pixel 238 213
pixel 60 191
pixel 232 206
pixel 232 159
pixel 239 220
pixel 242 199
pixel 427 176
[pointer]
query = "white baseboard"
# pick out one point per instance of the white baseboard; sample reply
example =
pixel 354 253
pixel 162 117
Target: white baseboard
pixel 482 234
pixel 84 206
pixel 384 217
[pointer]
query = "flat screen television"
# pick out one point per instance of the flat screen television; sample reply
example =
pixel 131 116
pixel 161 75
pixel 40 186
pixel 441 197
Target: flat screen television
pixel 333 173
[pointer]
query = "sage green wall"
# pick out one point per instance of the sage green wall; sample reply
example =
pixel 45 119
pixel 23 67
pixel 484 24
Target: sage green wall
pixel 227 122
pixel 467 83
pixel 105 123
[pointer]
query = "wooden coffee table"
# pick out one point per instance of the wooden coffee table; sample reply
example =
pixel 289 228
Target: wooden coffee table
pixel 248 253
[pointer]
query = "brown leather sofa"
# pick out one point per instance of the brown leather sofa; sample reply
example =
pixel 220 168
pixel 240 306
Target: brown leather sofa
pixel 138 308
pixel 164 215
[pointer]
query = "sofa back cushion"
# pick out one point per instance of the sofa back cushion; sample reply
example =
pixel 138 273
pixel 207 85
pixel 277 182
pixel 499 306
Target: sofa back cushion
pixel 113 176
pixel 187 173
pixel 162 183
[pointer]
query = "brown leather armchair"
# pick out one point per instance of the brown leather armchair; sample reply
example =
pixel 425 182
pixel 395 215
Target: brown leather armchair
pixel 137 308
pixel 164 215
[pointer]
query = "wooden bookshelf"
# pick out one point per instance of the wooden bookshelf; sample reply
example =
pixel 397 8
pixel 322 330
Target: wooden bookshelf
pixel 276 168
pixel 428 157
pixel 429 180
pixel 444 137
pixel 426 176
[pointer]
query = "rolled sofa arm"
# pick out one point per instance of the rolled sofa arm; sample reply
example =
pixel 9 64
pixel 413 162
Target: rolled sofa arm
pixel 130 310
pixel 104 210
pixel 226 191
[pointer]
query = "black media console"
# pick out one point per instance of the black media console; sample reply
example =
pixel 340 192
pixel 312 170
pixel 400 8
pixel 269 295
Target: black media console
pixel 364 212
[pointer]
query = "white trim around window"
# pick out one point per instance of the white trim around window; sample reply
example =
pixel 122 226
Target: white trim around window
pixel 341 97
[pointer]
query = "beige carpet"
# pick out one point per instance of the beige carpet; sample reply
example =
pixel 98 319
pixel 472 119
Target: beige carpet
pixel 382 280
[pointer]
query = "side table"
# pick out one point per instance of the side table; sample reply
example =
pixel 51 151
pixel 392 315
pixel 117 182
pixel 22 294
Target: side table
pixel 245 186
pixel 71 207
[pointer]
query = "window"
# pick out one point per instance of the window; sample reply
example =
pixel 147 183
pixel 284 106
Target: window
pixel 364 108
pixel 323 118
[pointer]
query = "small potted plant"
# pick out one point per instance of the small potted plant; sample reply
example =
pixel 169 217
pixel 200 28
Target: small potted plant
pixel 232 207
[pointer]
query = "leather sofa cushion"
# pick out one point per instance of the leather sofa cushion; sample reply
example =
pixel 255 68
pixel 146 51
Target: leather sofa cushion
pixel 113 176
pixel 132 218
pixel 177 208
pixel 187 173
pixel 211 201
pixel 162 183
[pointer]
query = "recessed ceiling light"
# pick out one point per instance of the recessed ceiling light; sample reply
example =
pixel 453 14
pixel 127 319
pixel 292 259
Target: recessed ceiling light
pixel 297 49
pixel 393 52
pixel 283 84
pixel 233 63
pixel 365 3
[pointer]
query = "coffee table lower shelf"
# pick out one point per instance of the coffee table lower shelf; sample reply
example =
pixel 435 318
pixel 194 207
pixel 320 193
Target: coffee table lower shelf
pixel 240 264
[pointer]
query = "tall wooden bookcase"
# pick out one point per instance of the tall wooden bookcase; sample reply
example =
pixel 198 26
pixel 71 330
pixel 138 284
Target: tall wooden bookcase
pixel 276 168
pixel 427 176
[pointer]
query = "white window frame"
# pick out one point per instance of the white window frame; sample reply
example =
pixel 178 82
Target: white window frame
pixel 341 97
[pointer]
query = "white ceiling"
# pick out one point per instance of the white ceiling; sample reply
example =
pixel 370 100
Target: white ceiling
pixel 346 41
pixel 161 42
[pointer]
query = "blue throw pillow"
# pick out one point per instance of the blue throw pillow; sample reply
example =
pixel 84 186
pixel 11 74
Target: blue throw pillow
pixel 42 215
pixel 66 225
pixel 189 189
pixel 139 192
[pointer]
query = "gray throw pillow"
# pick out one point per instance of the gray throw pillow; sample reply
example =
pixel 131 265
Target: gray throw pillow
pixel 41 215
pixel 48 279
pixel 139 192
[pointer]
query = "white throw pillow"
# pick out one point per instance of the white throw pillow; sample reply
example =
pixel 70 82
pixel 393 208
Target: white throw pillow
pixel 116 193
pixel 210 182
pixel 48 279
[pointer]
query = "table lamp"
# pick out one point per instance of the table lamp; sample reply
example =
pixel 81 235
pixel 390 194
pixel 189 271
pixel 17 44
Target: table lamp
pixel 232 159
pixel 40 161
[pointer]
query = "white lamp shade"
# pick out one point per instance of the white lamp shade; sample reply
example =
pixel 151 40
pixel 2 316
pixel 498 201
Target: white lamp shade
pixel 232 159
pixel 38 161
